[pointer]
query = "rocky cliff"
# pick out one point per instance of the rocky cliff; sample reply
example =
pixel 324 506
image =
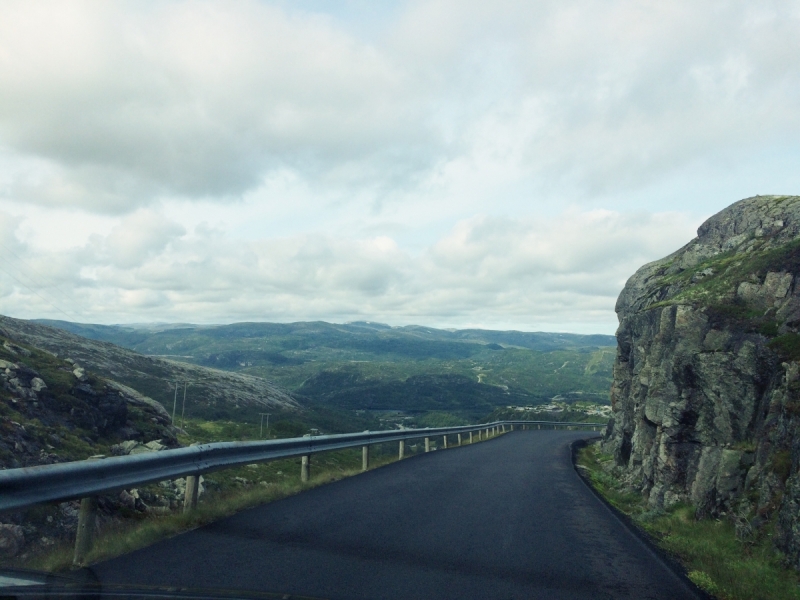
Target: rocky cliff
pixel 706 392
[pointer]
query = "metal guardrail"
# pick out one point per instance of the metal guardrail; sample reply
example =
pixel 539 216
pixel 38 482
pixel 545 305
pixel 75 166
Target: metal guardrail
pixel 23 488
pixel 26 487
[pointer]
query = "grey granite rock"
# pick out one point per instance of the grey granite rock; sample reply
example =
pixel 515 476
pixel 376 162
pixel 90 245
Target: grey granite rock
pixel 706 391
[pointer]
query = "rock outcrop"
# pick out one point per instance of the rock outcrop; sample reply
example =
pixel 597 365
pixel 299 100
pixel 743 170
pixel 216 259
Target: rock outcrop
pixel 706 392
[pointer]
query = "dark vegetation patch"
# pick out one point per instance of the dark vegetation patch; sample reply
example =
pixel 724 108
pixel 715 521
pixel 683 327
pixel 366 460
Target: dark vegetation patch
pixel 739 316
pixel 787 346
pixel 345 388
pixel 234 359
pixel 781 464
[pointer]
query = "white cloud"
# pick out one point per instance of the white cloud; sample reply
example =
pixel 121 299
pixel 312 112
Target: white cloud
pixel 557 272
pixel 137 237
pixel 111 105
pixel 213 161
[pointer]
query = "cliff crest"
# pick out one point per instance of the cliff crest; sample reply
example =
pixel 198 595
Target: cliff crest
pixel 706 392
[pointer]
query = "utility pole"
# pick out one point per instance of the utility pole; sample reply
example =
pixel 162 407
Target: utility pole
pixel 174 403
pixel 262 424
pixel 183 407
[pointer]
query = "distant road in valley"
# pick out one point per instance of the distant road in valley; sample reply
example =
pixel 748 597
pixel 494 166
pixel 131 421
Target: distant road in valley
pixel 508 518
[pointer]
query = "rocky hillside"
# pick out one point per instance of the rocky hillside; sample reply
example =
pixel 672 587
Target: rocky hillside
pixel 212 392
pixel 706 392
pixel 54 410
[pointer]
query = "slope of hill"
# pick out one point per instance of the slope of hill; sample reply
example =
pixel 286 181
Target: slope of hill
pixel 212 392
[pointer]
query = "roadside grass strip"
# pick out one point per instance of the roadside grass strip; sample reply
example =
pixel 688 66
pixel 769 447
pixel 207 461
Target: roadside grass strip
pixel 716 560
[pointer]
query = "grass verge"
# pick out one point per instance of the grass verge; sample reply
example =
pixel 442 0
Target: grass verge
pixel 715 559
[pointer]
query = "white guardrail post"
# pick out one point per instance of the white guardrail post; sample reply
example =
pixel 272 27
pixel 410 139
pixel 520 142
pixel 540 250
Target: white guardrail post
pixel 364 458
pixel 427 444
pixel 402 451
pixel 87 517
pixel 192 492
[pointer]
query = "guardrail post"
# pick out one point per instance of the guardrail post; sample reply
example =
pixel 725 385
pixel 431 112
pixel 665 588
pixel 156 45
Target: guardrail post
pixel 191 493
pixel 444 442
pixel 305 467
pixel 539 426
pixel 470 437
pixel 364 458
pixel 427 444
pixel 87 516
pixel 512 427
pixel 402 452
pixel 459 439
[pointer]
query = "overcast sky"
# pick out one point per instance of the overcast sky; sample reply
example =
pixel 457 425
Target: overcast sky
pixel 503 164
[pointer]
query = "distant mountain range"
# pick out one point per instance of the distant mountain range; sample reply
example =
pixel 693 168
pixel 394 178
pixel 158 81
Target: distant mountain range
pixel 367 365
pixel 159 338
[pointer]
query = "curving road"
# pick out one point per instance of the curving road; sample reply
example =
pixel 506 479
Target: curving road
pixel 508 518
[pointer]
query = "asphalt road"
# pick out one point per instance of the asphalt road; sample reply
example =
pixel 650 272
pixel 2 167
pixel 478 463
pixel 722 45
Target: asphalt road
pixel 507 518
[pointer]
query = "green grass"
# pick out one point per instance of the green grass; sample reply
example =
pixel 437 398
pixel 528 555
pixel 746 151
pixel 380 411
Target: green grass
pixel 729 269
pixel 715 559
pixel 787 346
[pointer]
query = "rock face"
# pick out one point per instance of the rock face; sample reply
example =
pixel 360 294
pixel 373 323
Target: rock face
pixel 706 392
